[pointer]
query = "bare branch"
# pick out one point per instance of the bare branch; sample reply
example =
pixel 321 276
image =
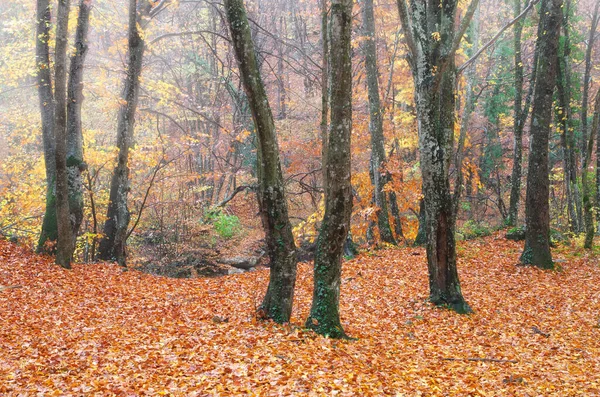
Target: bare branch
pixel 407 26
pixel 500 32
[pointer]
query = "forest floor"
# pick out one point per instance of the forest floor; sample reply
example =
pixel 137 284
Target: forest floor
pixel 96 330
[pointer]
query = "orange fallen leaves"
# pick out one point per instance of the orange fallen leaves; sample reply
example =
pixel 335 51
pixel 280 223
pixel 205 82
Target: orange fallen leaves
pixel 98 331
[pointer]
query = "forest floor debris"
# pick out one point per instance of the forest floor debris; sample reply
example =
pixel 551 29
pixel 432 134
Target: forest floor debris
pixel 96 330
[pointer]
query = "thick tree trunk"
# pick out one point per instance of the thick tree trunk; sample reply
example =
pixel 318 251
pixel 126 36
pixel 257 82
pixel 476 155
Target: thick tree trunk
pixel 585 178
pixel 537 211
pixel 49 233
pixel 64 246
pixel 324 315
pixel 112 246
pixel 433 39
pixel 377 166
pixel 75 161
pixel 277 303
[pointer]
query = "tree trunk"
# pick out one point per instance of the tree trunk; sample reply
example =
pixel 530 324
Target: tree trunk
pixel 515 180
pixel 64 246
pixel 324 88
pixel 277 303
pixel 563 85
pixel 433 39
pixel 377 165
pixel 112 246
pixel 585 98
pixel 585 178
pixel 49 233
pixel 537 210
pixel 75 161
pixel 324 315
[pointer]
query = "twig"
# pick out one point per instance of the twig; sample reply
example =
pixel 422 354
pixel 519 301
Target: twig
pixel 2 287
pixel 490 360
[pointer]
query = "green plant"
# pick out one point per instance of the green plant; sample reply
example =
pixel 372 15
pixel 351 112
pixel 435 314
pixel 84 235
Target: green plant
pixel 225 225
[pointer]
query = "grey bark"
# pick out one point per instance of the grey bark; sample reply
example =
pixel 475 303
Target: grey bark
pixel 49 232
pixel 113 244
pixel 567 138
pixel 585 177
pixel 537 212
pixel 324 87
pixel 377 172
pixel 324 315
pixel 64 245
pixel 585 97
pixel 432 37
pixel 75 162
pixel 278 300
pixel 520 115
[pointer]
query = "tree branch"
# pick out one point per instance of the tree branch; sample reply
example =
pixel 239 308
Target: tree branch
pixel 407 26
pixel 493 39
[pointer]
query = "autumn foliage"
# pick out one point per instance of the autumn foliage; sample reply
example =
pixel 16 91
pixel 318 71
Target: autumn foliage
pixel 99 331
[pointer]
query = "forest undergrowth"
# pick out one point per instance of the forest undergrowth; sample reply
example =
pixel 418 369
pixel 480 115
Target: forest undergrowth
pixel 96 330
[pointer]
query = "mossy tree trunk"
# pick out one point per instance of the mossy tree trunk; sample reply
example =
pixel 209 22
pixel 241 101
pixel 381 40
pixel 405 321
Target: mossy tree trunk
pixel 433 37
pixel 537 211
pixel 324 315
pixel 113 244
pixel 278 300
pixel 587 188
pixel 75 162
pixel 64 245
pixel 377 165
pixel 585 99
pixel 49 233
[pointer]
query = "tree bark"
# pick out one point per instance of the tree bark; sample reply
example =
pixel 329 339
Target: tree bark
pixel 567 140
pixel 75 162
pixel 278 300
pixel 433 39
pixel 585 177
pixel 49 232
pixel 113 244
pixel 520 115
pixel 377 165
pixel 537 212
pixel 324 315
pixel 64 246
pixel 585 97
pixel 324 88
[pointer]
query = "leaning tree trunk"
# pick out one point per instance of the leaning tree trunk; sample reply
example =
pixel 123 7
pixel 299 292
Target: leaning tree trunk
pixel 537 210
pixel 433 39
pixel 324 315
pixel 377 172
pixel 49 233
pixel 277 303
pixel 112 246
pixel 75 161
pixel 64 246
pixel 585 178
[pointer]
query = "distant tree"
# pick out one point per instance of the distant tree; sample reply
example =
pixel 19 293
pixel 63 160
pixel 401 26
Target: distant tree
pixel 379 176
pixel 324 315
pixel 537 211
pixel 277 303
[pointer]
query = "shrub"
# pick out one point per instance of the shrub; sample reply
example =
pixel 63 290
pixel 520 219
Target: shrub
pixel 225 225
